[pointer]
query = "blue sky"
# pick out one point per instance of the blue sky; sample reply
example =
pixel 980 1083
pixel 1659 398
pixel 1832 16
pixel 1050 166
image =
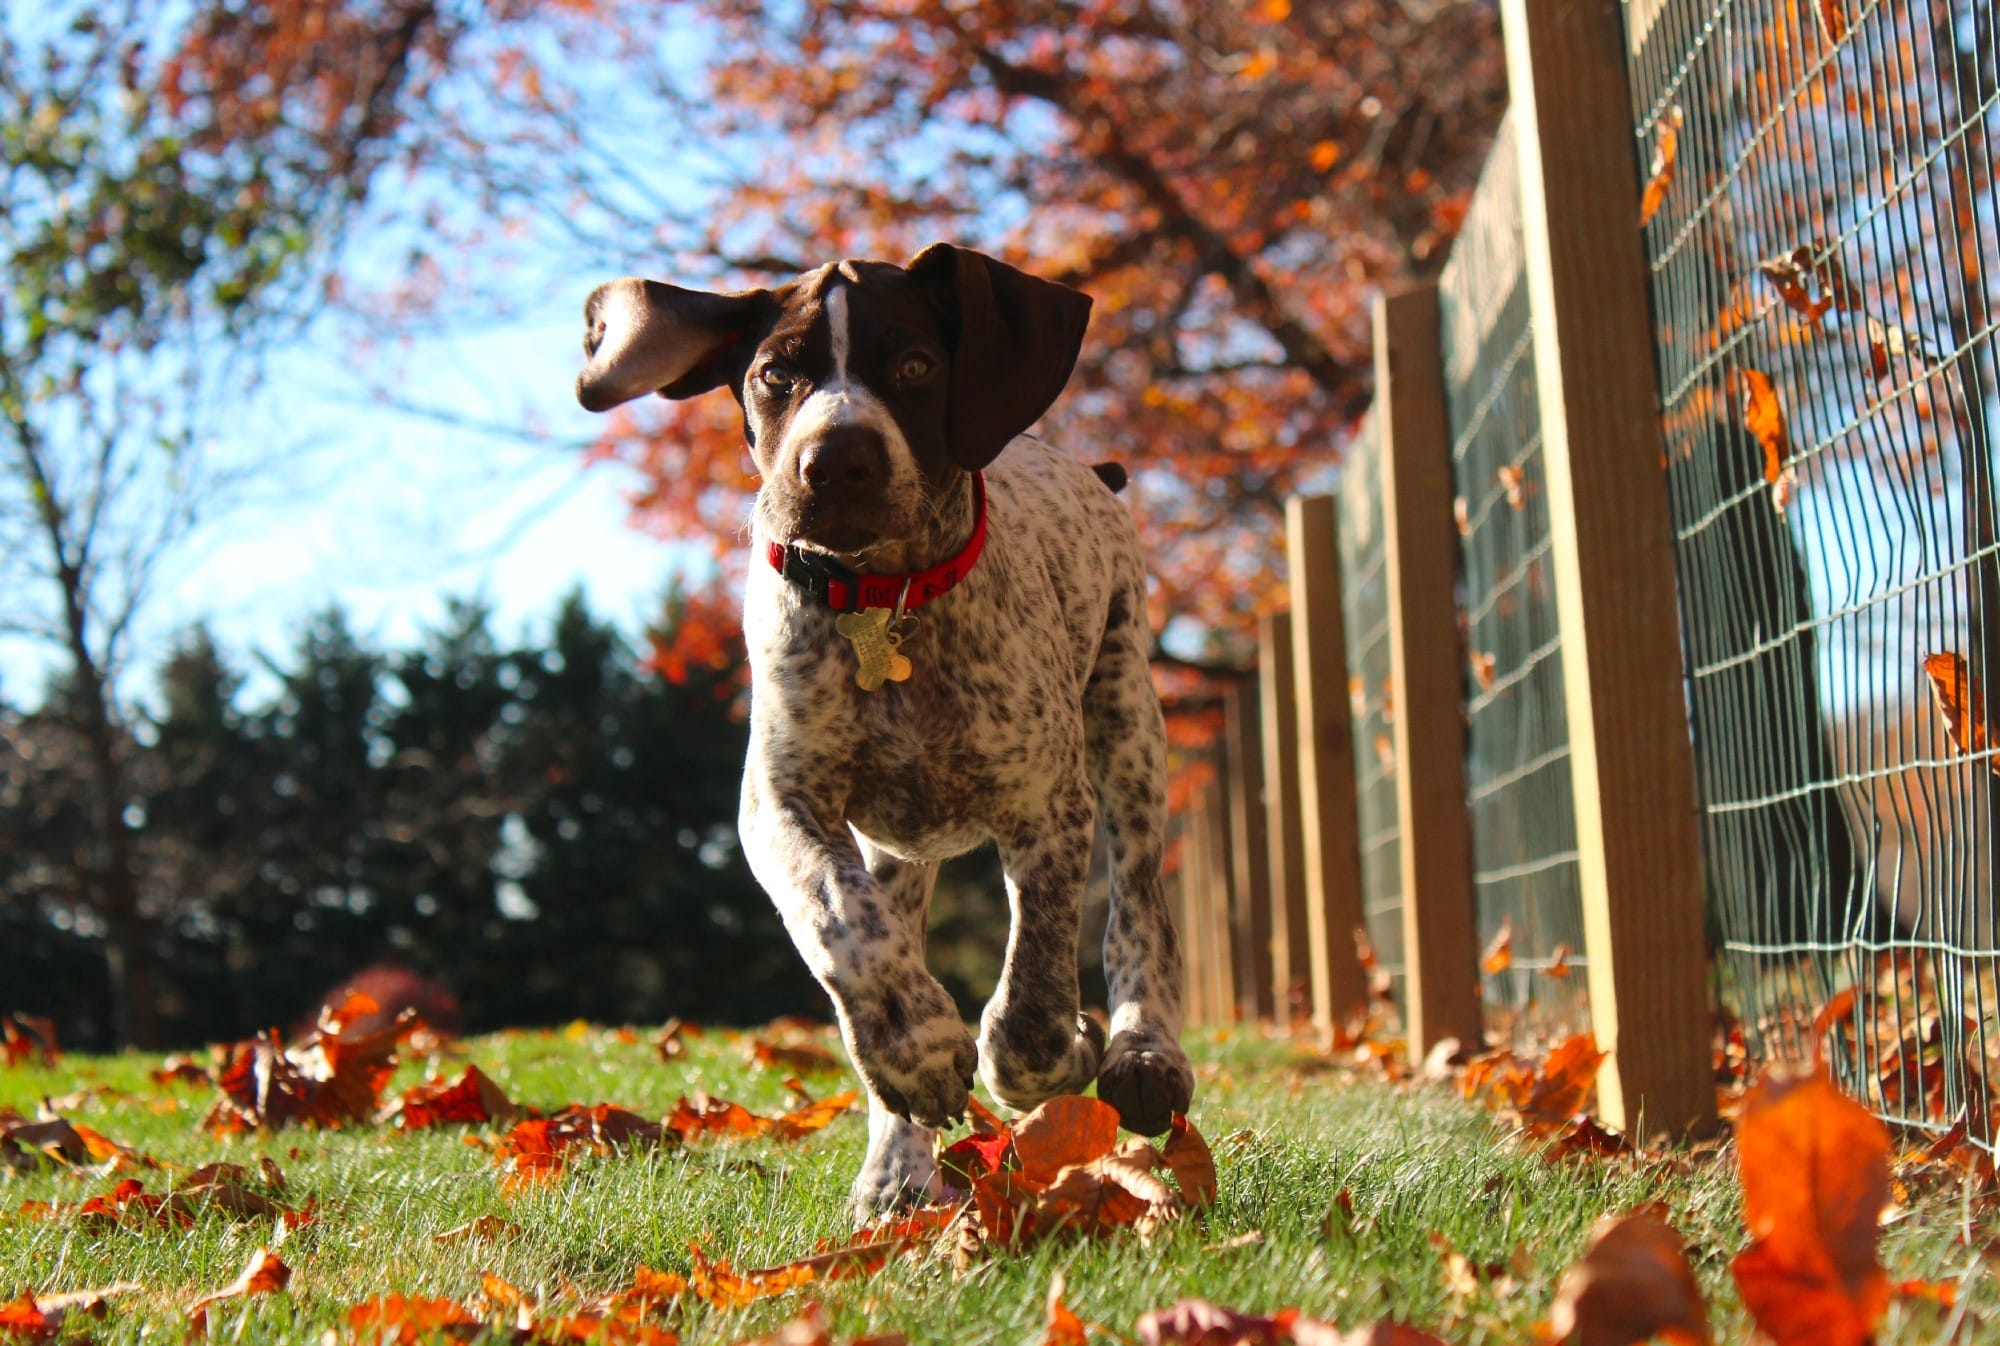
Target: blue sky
pixel 389 514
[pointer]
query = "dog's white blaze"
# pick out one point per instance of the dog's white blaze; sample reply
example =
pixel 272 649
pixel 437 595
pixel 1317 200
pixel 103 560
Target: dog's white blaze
pixel 842 402
pixel 836 316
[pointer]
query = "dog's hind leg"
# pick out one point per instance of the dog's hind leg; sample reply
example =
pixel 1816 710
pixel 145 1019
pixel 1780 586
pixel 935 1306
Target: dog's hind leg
pixel 1034 1042
pixel 1145 1074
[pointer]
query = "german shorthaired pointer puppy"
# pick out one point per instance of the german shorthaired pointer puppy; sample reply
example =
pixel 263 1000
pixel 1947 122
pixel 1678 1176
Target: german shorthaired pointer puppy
pixel 947 643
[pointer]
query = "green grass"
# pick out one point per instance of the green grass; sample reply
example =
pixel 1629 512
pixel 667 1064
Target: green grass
pixel 1288 1141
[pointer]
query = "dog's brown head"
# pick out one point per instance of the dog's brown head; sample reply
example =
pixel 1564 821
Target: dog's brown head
pixel 868 389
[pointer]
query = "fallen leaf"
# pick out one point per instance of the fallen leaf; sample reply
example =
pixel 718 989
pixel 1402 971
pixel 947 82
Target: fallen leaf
pixel 806 1059
pixel 1632 1285
pixel 472 1099
pixel 266 1274
pixel 1498 955
pixel 1558 962
pixel 485 1229
pixel 1961 702
pixel 1482 669
pixel 1565 1080
pixel 1815 1172
pixel 1065 1131
pixel 1196 1322
pixel 407 1321
pixel 1193 1165
pixel 26 1035
pixel 1666 148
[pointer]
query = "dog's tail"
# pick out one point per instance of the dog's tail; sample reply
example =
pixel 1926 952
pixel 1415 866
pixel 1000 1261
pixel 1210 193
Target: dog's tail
pixel 1111 474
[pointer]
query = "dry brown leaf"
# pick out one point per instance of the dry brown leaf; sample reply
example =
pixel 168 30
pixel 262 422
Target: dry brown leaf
pixel 1798 273
pixel 485 1229
pixel 1633 1285
pixel 1666 148
pixel 1815 1171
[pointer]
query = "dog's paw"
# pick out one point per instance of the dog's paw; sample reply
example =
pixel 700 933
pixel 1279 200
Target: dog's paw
pixel 900 1171
pixel 931 1093
pixel 912 1048
pixel 1024 1066
pixel 1148 1080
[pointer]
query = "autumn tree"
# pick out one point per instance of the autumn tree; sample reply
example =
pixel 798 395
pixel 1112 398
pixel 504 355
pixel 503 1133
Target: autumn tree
pixel 1231 182
pixel 157 228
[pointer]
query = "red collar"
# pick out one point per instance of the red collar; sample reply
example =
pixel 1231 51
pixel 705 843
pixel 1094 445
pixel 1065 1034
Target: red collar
pixel 845 589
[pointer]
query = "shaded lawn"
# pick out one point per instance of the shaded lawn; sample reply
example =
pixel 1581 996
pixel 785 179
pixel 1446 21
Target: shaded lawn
pixel 1289 1134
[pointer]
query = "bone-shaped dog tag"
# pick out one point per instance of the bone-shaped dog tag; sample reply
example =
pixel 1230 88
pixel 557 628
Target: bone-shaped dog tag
pixel 874 647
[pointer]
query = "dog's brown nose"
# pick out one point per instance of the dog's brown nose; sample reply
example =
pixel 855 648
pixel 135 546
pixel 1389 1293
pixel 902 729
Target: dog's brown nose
pixel 844 458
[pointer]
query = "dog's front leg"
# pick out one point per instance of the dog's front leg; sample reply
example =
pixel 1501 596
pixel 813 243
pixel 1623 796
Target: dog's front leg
pixel 1034 1043
pixel 858 939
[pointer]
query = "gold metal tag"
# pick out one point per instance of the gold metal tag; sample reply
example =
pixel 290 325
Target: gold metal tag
pixel 874 642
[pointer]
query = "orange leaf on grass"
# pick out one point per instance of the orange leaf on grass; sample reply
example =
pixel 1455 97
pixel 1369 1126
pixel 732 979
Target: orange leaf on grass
pixel 811 1117
pixel 1064 1131
pixel 1192 1163
pixel 1565 1080
pixel 407 1321
pixel 804 1058
pixel 1815 1172
pixel 1633 1285
pixel 266 1274
pixel 472 1098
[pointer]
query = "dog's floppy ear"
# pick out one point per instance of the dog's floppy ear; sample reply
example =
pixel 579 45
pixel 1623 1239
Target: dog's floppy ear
pixel 642 336
pixel 1014 340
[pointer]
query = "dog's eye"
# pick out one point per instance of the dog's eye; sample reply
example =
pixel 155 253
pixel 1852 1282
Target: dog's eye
pixel 914 369
pixel 776 376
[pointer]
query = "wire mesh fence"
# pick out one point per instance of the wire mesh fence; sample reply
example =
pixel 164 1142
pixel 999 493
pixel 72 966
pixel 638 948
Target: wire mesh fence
pixel 1365 612
pixel 1823 252
pixel 1517 749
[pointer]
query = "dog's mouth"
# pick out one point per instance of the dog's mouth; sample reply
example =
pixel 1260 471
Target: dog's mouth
pixel 849 528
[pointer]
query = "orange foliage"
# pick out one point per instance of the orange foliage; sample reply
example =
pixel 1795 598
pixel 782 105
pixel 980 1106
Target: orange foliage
pixel 1815 1168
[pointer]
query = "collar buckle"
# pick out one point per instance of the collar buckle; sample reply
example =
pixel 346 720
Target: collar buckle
pixel 817 572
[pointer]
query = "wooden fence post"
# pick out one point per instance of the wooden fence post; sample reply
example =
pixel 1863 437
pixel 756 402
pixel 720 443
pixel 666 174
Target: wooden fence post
pixel 1249 852
pixel 1611 555
pixel 1427 674
pixel 1291 959
pixel 1327 814
pixel 1221 880
pixel 1194 882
